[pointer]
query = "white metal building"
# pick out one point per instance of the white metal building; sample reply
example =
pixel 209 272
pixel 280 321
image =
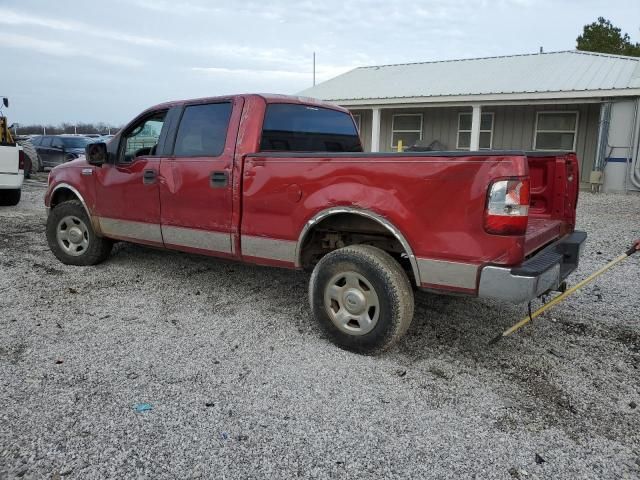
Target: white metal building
pixel 571 100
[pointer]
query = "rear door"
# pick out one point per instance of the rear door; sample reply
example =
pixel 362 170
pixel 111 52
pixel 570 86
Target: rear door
pixel 196 189
pixel 127 192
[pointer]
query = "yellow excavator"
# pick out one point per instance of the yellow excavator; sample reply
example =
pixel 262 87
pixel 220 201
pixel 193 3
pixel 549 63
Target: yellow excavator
pixel 5 132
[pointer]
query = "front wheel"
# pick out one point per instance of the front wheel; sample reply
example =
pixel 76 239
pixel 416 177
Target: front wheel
pixel 362 298
pixel 71 237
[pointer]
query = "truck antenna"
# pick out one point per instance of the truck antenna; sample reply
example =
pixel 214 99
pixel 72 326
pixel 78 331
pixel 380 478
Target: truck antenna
pixel 314 69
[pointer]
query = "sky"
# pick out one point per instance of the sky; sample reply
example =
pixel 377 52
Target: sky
pixel 78 61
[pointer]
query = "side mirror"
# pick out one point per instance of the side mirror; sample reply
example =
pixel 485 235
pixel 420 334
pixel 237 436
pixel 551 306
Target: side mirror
pixel 96 153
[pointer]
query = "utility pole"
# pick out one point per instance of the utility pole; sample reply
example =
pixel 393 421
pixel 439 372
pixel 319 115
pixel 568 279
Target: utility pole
pixel 314 69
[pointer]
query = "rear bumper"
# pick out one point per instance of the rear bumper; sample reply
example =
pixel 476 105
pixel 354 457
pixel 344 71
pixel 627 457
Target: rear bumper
pixel 539 274
pixel 11 180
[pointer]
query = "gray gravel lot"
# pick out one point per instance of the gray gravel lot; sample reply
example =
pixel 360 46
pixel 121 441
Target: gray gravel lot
pixel 242 385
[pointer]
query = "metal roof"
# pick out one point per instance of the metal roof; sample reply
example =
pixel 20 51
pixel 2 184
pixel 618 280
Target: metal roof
pixel 580 74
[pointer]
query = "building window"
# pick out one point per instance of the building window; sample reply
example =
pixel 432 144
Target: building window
pixel 358 119
pixel 406 127
pixel 556 131
pixel 464 131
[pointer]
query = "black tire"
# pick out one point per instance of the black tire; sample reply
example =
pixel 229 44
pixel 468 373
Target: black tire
pixel 97 248
pixel 393 297
pixel 9 198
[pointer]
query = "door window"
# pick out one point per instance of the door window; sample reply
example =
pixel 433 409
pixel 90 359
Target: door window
pixel 203 130
pixel 142 138
pixel 45 142
pixel 57 143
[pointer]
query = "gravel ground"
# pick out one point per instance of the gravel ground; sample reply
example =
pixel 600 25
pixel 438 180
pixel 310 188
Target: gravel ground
pixel 242 385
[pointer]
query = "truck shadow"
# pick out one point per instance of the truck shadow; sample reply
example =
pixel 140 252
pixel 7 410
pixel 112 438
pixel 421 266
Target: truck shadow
pixel 440 321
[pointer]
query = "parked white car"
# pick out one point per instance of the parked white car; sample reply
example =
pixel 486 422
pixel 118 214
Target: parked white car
pixel 11 174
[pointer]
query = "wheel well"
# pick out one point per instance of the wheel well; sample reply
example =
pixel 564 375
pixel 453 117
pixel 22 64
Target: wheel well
pixel 342 229
pixel 62 195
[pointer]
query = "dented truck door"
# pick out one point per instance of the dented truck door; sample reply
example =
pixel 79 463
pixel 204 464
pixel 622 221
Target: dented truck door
pixel 196 191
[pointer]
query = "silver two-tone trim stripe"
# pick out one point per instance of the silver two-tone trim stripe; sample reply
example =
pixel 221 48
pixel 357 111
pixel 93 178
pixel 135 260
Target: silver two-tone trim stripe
pixel 270 248
pixel 113 227
pixel 202 239
pixel 446 273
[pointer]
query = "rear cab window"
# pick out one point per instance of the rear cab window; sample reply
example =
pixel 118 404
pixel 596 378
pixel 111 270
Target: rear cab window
pixel 306 128
pixel 203 130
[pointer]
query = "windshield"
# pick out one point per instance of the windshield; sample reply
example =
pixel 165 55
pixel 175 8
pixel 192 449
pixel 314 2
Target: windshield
pixel 76 142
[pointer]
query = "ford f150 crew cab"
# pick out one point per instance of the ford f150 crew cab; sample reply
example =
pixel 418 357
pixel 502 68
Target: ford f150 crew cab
pixel 283 181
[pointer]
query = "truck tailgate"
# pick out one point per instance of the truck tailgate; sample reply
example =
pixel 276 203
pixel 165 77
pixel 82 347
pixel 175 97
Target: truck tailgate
pixel 554 192
pixel 9 159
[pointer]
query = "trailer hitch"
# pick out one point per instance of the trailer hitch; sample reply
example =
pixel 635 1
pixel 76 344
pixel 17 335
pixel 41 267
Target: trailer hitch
pixel 633 249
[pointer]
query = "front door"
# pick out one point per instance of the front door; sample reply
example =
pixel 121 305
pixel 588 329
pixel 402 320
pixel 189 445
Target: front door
pixel 127 193
pixel 196 189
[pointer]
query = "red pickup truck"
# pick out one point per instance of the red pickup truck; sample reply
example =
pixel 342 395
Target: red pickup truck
pixel 283 181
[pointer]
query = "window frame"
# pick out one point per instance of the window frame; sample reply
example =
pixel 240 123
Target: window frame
pixel 358 122
pixel 493 118
pixel 122 141
pixel 574 131
pixel 393 130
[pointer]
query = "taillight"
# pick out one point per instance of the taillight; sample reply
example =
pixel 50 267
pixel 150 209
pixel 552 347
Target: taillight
pixel 20 159
pixel 507 211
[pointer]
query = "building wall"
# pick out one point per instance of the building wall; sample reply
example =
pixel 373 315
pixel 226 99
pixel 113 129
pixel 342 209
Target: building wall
pixel 513 127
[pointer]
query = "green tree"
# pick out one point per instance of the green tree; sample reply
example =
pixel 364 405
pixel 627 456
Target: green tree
pixel 603 37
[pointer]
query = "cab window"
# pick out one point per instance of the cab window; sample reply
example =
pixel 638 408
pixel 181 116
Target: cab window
pixel 142 138
pixel 203 130
pixel 306 128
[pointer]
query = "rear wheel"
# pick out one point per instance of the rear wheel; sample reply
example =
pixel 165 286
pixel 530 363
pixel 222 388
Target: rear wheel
pixel 362 298
pixel 10 197
pixel 71 237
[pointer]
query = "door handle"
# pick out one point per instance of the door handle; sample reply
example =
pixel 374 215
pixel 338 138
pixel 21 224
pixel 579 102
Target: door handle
pixel 148 177
pixel 219 179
